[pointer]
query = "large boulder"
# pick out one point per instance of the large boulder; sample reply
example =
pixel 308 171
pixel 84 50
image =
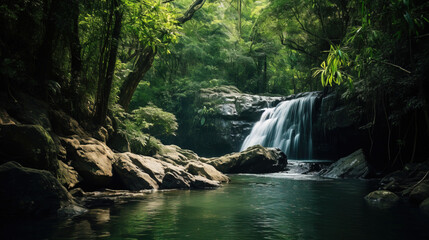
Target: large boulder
pixel 205 170
pixel 29 110
pixel 5 118
pixel 91 158
pixel 405 180
pixel 175 155
pixel 255 159
pixel 424 206
pixel 154 167
pixel 382 199
pixel 174 179
pixel 200 182
pixel 67 176
pixel 138 172
pixel 30 192
pixel 64 125
pixel 119 141
pixel 30 145
pixel 352 166
pixel 133 177
pixel 420 193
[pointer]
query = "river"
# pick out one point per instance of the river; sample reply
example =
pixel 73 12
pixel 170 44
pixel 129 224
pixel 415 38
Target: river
pixel 265 206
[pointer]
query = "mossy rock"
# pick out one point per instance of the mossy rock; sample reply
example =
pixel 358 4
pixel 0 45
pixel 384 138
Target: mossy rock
pixel 255 159
pixel 420 193
pixel 424 206
pixel 30 145
pixel 67 176
pixel 30 192
pixel 382 199
pixel 221 89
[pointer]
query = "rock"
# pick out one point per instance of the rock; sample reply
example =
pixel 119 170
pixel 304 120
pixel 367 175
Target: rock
pixel 204 183
pixel 62 153
pixel 174 180
pixel 67 176
pixel 382 199
pixel 30 192
pixel 335 132
pixel 176 155
pixel 420 193
pixel 77 192
pixel 133 177
pixel 71 211
pixel 101 134
pixel 424 206
pixel 176 177
pixel 91 158
pixel 231 103
pixel 405 180
pixel 206 170
pixel 393 180
pixel 142 172
pixel 5 118
pixel 119 142
pixel 31 111
pixel 64 125
pixel 155 168
pixel 255 159
pixel 30 145
pixel 352 166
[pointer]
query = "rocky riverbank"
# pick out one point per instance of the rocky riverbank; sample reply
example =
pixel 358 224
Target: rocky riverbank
pixel 408 185
pixel 46 155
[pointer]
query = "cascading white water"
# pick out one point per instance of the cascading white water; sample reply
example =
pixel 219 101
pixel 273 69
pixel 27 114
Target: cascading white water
pixel 288 126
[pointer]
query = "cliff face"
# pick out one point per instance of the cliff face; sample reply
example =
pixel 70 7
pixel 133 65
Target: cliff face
pixel 336 133
pixel 223 118
pixel 233 114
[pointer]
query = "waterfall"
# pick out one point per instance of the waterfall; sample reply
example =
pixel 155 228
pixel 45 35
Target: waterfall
pixel 287 126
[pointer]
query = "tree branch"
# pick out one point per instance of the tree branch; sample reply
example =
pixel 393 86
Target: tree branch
pixel 195 6
pixel 306 30
pixel 295 46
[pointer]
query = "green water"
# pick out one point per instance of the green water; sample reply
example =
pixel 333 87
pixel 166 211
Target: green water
pixel 273 206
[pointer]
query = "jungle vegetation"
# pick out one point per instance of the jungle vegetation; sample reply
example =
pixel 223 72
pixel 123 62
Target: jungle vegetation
pixel 146 57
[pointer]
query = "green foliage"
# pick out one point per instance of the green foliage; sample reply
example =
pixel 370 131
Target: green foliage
pixel 142 125
pixel 332 70
pixel 154 121
pixel 204 113
pixel 150 23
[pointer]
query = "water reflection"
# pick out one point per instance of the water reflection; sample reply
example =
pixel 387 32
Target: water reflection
pixel 251 207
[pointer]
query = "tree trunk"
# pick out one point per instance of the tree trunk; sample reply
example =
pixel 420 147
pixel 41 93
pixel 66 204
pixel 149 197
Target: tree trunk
pixel 265 78
pixel 130 84
pixel 44 64
pixel 239 17
pixel 103 103
pixel 75 57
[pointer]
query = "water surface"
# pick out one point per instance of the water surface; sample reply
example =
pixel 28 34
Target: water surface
pixel 271 206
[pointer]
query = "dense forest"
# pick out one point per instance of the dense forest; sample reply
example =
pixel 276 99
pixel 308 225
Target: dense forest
pixel 94 58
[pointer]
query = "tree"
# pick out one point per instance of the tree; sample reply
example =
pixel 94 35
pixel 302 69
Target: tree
pixel 146 57
pixel 107 68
